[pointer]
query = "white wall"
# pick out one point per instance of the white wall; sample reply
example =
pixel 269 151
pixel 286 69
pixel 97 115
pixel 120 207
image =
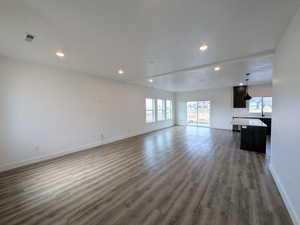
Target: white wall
pixel 255 91
pixel 47 112
pixel 221 106
pixel 260 90
pixel 285 159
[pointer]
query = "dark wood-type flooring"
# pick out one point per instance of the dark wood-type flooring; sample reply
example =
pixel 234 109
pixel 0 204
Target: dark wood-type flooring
pixel 175 176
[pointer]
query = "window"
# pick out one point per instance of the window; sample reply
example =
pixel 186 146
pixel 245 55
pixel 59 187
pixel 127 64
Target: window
pixel 198 113
pixel 255 105
pixel 169 112
pixel 192 112
pixel 161 109
pixel 267 104
pixel 150 110
pixel 260 105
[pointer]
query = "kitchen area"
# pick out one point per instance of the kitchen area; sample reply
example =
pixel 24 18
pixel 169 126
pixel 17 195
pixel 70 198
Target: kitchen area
pixel 252 116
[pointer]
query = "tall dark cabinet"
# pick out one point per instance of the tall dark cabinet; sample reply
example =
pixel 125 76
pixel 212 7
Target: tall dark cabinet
pixel 239 94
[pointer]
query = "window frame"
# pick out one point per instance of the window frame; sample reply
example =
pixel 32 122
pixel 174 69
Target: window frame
pixel 262 105
pixel 153 110
pixel 197 123
pixel 170 115
pixel 163 111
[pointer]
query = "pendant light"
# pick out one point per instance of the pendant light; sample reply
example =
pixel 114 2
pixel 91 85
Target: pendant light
pixel 247 97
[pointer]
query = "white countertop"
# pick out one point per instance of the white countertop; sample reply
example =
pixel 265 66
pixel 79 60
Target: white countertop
pixel 249 122
pixel 253 117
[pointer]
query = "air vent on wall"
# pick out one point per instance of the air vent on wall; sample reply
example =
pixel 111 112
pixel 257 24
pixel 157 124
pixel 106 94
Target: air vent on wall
pixel 29 37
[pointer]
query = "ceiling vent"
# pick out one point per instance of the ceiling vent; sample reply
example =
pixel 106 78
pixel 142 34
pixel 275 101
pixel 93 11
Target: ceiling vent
pixel 29 37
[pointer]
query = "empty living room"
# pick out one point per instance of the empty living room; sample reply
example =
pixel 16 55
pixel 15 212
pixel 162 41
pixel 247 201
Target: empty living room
pixel 146 112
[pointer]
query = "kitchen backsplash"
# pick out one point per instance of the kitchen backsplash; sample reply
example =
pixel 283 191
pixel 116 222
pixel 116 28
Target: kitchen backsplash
pixel 244 112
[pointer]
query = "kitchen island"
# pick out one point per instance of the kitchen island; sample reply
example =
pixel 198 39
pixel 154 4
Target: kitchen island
pixel 253 134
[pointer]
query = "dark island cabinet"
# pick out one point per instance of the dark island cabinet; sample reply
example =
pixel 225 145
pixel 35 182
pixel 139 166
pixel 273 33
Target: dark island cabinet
pixel 239 94
pixel 253 138
pixel 265 120
pixel 268 122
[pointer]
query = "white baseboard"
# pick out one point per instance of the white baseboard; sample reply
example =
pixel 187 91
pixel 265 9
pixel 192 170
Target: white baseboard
pixel 47 157
pixel 218 128
pixel 14 165
pixel 285 197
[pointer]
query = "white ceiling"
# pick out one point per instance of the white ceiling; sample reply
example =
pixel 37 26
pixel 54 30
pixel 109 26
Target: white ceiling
pixel 148 37
pixel 231 74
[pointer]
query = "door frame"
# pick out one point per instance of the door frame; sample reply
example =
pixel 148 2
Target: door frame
pixel 197 124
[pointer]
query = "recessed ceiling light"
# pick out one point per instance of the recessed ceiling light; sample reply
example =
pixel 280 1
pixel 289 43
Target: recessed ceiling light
pixel 241 84
pixel 150 80
pixel 120 71
pixel 203 47
pixel 217 68
pixel 60 54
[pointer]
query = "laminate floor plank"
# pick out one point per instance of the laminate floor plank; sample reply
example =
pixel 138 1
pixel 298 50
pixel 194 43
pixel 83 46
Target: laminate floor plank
pixel 175 176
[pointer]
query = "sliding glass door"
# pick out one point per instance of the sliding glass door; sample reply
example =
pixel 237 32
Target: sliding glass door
pixel 198 113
